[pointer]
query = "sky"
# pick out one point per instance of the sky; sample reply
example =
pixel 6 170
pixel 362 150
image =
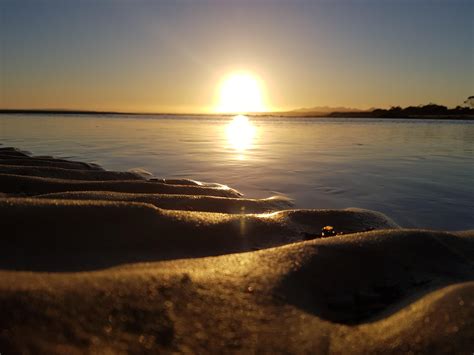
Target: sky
pixel 171 56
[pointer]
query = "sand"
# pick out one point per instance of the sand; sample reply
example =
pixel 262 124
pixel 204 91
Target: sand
pixel 183 202
pixel 140 266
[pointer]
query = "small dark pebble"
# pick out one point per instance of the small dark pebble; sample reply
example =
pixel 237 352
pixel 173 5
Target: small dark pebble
pixel 328 231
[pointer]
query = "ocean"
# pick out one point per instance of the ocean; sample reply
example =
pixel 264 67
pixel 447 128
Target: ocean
pixel 418 172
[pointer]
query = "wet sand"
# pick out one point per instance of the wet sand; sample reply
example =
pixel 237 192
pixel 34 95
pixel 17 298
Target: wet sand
pixel 94 261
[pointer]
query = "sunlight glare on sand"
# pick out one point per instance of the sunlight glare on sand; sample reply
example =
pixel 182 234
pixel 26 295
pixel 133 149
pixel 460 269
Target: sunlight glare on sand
pixel 240 133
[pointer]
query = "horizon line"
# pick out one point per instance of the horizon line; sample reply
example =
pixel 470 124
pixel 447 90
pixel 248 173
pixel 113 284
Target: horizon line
pixel 296 112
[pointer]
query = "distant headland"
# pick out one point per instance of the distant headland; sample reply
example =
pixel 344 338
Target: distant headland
pixel 430 111
pixel 426 111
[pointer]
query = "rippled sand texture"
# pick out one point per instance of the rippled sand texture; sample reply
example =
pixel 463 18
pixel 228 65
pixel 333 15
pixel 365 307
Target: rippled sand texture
pixel 89 264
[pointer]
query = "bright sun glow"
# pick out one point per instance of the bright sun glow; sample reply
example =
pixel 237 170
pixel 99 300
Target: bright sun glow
pixel 240 133
pixel 240 93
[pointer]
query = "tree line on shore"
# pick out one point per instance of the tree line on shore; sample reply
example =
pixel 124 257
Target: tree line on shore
pixel 430 110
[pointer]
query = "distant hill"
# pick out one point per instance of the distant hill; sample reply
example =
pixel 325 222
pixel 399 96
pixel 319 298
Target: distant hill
pixel 319 111
pixel 327 109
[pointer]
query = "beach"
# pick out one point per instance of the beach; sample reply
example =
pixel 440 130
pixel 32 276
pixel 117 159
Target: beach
pixel 236 177
pixel 97 261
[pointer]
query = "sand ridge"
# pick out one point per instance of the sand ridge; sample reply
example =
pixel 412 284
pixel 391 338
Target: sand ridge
pixel 180 268
pixel 183 202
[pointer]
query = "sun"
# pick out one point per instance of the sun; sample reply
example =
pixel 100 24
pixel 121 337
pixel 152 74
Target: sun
pixel 240 92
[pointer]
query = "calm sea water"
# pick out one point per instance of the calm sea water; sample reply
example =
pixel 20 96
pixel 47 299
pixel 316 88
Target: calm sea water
pixel 420 173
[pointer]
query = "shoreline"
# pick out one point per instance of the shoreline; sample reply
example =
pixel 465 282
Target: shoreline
pixel 361 114
pixel 102 261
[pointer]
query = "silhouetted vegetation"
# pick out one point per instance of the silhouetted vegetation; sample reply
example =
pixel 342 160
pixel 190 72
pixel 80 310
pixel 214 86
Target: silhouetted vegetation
pixel 426 111
pixel 470 101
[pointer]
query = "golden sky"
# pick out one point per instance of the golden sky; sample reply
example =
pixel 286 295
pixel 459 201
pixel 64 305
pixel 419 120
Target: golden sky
pixel 165 56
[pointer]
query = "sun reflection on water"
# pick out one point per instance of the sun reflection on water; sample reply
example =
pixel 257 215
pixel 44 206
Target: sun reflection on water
pixel 240 134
